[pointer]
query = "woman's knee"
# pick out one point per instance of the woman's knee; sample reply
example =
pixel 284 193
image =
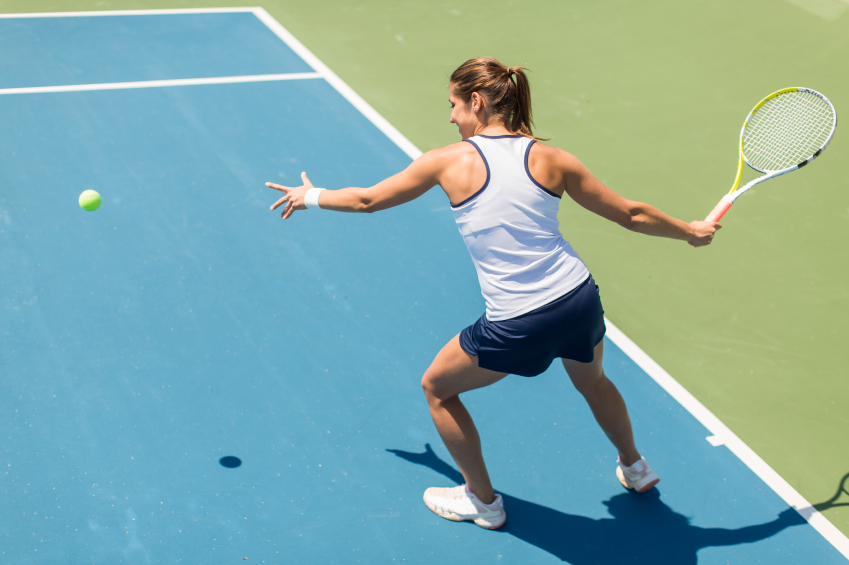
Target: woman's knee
pixel 427 386
pixel 588 382
pixel 431 387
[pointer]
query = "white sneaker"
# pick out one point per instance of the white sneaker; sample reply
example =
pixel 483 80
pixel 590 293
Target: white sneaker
pixel 638 476
pixel 459 503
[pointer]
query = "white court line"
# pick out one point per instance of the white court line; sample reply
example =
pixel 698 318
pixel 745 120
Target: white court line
pixel 129 13
pixel 722 435
pixel 388 129
pixel 158 83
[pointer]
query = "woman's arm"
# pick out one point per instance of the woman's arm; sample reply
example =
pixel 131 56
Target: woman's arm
pixel 590 193
pixel 409 184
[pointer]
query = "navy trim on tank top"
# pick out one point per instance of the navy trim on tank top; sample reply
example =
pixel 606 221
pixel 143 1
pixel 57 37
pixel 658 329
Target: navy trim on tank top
pixel 498 136
pixel 485 184
pixel 528 170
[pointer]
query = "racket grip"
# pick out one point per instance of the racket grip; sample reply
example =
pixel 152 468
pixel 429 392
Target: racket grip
pixel 719 210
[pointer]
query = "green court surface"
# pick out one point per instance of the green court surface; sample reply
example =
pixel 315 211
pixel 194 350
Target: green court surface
pixel 651 97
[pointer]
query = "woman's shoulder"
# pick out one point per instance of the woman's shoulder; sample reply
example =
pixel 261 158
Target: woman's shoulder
pixel 456 168
pixel 551 166
pixel 451 153
pixel 549 156
pixel 454 149
pixel 550 152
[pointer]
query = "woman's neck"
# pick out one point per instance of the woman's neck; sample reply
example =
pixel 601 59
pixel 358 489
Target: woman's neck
pixel 492 129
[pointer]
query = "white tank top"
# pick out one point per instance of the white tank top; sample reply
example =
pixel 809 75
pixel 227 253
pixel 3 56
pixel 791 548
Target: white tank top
pixel 510 228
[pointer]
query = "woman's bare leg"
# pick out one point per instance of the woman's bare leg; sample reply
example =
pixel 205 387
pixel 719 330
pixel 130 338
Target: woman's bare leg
pixel 453 372
pixel 605 402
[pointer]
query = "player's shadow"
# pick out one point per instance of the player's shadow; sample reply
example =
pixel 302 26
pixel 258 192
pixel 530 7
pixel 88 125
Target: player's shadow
pixel 643 529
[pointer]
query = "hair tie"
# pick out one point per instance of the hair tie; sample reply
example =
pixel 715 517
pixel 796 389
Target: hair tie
pixel 510 72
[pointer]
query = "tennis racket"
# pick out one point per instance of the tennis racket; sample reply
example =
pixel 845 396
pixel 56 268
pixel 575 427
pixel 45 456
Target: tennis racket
pixel 785 131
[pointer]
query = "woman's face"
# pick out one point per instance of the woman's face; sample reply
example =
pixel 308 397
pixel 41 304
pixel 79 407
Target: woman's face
pixel 462 114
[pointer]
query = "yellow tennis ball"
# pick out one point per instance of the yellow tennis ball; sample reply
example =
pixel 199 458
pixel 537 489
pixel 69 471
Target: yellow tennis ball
pixel 89 200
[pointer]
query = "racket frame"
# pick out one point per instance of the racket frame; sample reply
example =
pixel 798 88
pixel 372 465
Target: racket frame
pixel 725 203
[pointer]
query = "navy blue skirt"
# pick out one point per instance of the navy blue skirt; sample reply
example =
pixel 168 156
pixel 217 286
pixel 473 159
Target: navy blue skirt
pixel 569 327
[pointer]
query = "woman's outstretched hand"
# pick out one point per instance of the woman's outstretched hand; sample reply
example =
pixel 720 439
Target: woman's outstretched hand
pixel 703 233
pixel 293 197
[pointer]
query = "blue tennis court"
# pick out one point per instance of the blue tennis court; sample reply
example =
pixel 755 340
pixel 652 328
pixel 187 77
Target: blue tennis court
pixel 183 323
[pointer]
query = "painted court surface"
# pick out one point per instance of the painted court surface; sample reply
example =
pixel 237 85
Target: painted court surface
pixel 184 322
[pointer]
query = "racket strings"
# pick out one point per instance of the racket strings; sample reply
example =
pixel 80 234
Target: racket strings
pixel 792 125
pixel 787 130
pixel 786 133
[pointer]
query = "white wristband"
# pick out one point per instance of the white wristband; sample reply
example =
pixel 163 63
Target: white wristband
pixel 311 197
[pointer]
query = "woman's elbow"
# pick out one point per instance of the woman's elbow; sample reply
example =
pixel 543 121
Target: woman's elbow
pixel 628 221
pixel 367 206
pixel 362 202
pixel 632 217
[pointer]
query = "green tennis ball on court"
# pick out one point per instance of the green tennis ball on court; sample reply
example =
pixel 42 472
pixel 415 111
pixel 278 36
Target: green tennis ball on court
pixel 89 200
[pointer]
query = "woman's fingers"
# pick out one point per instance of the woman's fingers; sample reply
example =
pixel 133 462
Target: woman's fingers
pixel 291 195
pixel 277 187
pixel 280 202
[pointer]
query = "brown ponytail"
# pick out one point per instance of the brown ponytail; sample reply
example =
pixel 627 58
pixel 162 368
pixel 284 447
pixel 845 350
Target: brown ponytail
pixel 507 92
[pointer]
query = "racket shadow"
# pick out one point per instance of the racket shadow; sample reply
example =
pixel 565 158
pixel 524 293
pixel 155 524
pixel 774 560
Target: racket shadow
pixel 843 487
pixel 643 528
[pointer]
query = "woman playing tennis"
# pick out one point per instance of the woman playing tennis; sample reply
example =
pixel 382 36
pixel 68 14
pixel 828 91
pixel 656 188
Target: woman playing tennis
pixel 541 301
